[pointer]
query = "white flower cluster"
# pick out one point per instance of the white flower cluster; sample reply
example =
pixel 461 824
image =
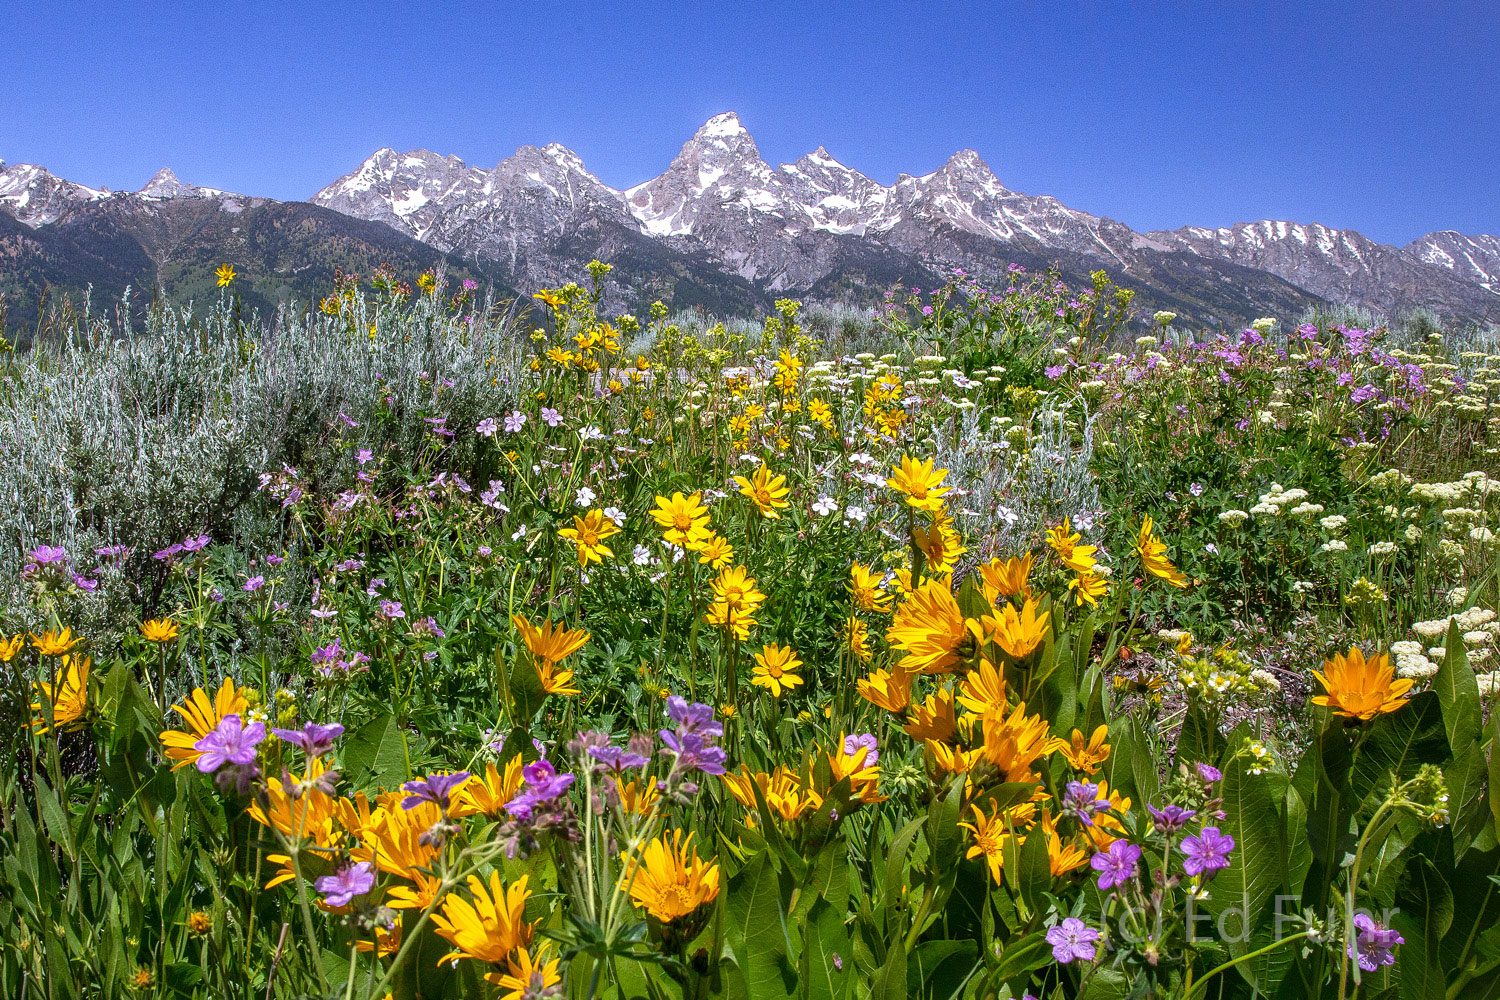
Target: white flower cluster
pixel 1480 628
pixel 1277 497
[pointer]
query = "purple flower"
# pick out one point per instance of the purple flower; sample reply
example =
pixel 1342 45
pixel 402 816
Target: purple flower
pixel 433 788
pixel 484 550
pixel 341 887
pixel 392 609
pixel 231 742
pixel 854 743
pixel 543 784
pixel 1116 866
pixel 85 585
pixel 514 420
pixel 551 416
pixel 470 284
pixel 1375 944
pixel 1207 852
pixel 112 551
pixel 1056 371
pixel 1083 800
pixel 693 716
pixel 1209 773
pixel 46 555
pixel 350 421
pixel 1071 940
pixel 195 544
pixel 327 654
pixel 1172 818
pixel 487 427
pixel 168 552
pixel 275 560
pixel 617 759
pixel 254 583
pixel 363 456
pixel 314 738
pixel 694 752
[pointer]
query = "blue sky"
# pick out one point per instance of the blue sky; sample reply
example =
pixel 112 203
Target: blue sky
pixel 1380 117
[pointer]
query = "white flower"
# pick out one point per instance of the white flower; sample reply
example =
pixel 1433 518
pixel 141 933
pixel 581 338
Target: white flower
pixel 640 555
pixel 1307 510
pixel 590 433
pixel 1382 549
pixel 1477 638
pixel 1458 597
pixel 1336 545
pixel 1234 517
pixel 585 496
pixel 616 515
pixel 1164 318
pixel 519 533
pixel 824 506
pixel 1415 666
pixel 854 512
pixel 1333 523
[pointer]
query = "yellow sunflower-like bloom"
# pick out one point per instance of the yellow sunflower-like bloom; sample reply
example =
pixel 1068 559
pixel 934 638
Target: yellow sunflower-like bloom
pixel 10 647
pixel 766 491
pixel 683 518
pixel 549 644
pixel 1152 553
pixel 1106 828
pixel 991 833
pixel 735 621
pixel 1018 633
pixel 1087 754
pixel 202 716
pixel 776 669
pixel 930 629
pixel 857 638
pixel 1015 742
pixel 782 790
pixel 864 587
pixel 490 928
pixel 669 880
pixel 55 643
pixel 1007 577
pixel 864 778
pixel 225 275
pixel 1357 688
pixel 69 700
pixel 159 630
pixel 944 759
pixel 637 798
pixel 714 551
pixel 933 719
pixel 1064 541
pixel 890 691
pixel 1088 587
pixel 490 793
pixel 588 534
pixel 1063 856
pixel 736 588
pixel 920 483
pixel 526 975
pixel 940 544
pixel 983 688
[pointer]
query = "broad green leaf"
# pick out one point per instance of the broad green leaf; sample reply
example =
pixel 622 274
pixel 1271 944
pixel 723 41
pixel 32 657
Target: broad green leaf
pixel 1255 873
pixel 1424 912
pixel 1397 745
pixel 376 753
pixel 1458 694
pixel 936 970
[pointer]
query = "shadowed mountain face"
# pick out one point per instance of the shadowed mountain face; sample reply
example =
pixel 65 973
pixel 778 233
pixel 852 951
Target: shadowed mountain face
pixel 719 228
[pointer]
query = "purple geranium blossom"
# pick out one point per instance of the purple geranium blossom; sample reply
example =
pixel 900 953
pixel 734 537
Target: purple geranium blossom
pixel 694 752
pixel 433 788
pixel 254 583
pixel 1172 818
pixel 1116 866
pixel 1209 773
pixel 1375 945
pixel 543 784
pixel 392 609
pixel 1207 852
pixel 693 716
pixel 231 742
pixel 514 421
pixel 1083 800
pixel 551 416
pixel 341 887
pixel 314 738
pixel 618 759
pixel 487 427
pixel 1072 939
pixel 854 743
pixel 195 544
pixel 46 555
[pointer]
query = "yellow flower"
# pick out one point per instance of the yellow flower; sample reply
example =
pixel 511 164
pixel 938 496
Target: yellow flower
pixel 864 586
pixel 70 699
pixel 669 880
pixel 1007 578
pixel 920 483
pixel 983 688
pixel 159 630
pixel 939 543
pixel 527 976
pixel 1062 856
pixel 736 621
pixel 1015 742
pixel 387 941
pixel 951 760
pixel 491 927
pixel 637 798
pixel 776 669
pixel 890 691
pixel 1018 633
pixel 588 534
pixel 550 297
pixel 864 777
pixel 930 629
pixel 684 518
pixel 1357 688
pixel 1106 828
pixel 765 490
pixel 549 644
pixel 715 551
pixel 55 643
pixel 1086 755
pixel 427 282
pixel 225 274
pixel 934 719
pixel 144 978
pixel 820 413
pixel 991 834
pixel 1153 555
pixel 199 922
pixel 202 717
pixel 9 648
pixel 857 639
pixel 1064 541
pixel 489 794
pixel 1088 587
pixel 736 588
pixel 555 681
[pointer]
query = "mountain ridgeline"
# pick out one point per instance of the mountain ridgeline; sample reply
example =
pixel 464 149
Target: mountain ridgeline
pixel 719 229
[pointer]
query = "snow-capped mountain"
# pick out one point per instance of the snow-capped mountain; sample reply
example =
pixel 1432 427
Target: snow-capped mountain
pixel 35 197
pixel 819 226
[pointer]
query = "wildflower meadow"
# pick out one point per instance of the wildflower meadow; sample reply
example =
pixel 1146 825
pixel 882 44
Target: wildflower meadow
pixel 997 643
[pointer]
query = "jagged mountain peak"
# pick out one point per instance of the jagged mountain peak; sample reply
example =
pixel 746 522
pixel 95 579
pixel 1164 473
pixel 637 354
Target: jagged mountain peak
pixel 166 184
pixel 722 126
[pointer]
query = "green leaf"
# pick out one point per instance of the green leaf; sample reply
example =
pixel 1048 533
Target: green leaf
pixel 1398 744
pixel 936 970
pixel 1424 913
pixel 754 929
pixel 1255 872
pixel 376 754
pixel 1458 694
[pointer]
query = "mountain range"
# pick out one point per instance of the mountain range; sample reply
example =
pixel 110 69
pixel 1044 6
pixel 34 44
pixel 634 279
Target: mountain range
pixel 720 228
